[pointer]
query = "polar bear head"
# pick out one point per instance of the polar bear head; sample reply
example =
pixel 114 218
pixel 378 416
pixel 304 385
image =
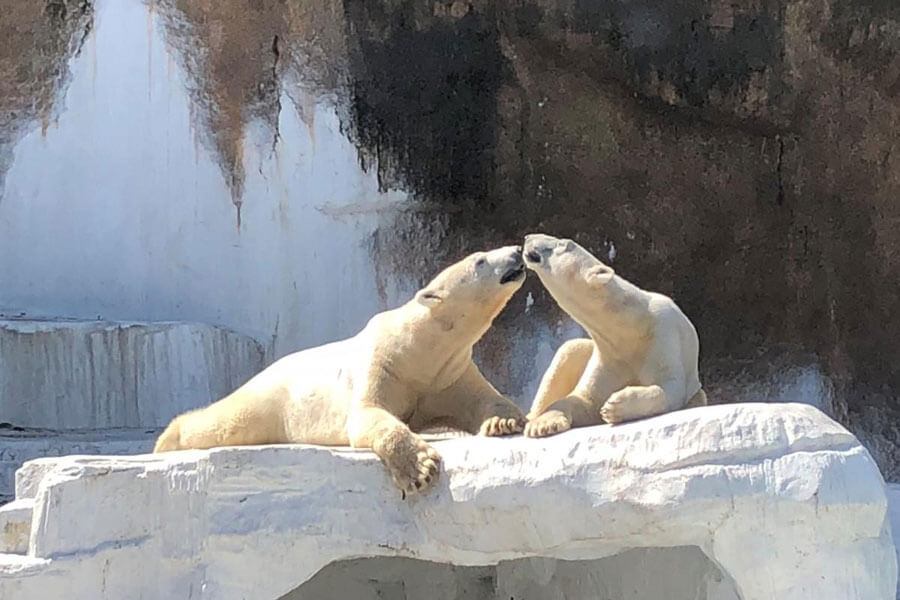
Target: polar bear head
pixel 560 261
pixel 470 293
pixel 572 275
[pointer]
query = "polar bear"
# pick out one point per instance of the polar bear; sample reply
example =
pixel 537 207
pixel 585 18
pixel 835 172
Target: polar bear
pixel 410 368
pixel 641 358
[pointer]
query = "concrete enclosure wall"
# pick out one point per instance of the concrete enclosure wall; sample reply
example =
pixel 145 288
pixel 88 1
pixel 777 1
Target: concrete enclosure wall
pixel 284 170
pixel 95 375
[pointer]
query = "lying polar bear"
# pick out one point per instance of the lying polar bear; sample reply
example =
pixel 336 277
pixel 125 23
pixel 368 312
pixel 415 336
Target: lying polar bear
pixel 409 368
pixel 641 359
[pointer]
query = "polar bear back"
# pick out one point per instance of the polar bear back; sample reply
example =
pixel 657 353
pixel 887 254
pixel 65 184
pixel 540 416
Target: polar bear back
pixel 310 389
pixel 675 345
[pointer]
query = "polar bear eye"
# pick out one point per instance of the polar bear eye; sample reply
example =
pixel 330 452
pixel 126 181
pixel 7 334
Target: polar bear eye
pixel 565 245
pixel 480 262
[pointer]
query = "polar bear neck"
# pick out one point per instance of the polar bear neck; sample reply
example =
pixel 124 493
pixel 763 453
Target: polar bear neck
pixel 437 349
pixel 455 325
pixel 611 314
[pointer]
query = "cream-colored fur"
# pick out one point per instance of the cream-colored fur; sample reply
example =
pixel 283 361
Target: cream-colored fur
pixel 409 368
pixel 641 358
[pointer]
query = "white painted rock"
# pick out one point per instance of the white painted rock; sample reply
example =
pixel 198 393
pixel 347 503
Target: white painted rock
pixel 16 447
pixel 756 501
pixel 93 374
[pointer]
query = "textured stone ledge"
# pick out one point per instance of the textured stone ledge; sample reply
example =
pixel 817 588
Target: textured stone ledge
pixel 781 499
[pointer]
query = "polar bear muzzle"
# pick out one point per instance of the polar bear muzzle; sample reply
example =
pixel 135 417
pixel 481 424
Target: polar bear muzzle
pixel 516 269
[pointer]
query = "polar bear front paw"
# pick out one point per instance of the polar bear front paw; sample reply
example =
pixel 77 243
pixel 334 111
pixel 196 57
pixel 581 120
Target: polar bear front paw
pixel 494 426
pixel 414 465
pixel 549 423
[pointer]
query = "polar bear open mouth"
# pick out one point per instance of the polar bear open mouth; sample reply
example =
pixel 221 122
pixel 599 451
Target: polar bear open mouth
pixel 513 274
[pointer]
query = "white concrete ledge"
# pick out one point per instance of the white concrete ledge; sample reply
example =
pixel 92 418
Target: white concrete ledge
pixel 18 447
pixel 15 526
pixel 784 501
pixel 94 374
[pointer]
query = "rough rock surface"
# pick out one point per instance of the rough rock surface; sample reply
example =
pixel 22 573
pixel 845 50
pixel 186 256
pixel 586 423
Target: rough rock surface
pixel 781 499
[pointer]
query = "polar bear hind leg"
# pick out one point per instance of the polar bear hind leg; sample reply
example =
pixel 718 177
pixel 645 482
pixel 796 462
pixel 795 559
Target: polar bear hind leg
pixel 170 439
pixel 640 401
pixel 244 418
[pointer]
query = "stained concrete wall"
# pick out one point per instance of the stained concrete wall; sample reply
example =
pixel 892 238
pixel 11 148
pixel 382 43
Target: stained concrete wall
pixel 118 211
pixel 284 170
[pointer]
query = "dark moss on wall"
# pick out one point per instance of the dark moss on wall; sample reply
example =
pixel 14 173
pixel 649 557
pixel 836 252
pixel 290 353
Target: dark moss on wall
pixel 37 39
pixel 737 156
pixel 423 99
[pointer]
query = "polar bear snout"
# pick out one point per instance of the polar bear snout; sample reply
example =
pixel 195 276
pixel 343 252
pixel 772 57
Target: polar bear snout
pixel 533 256
pixel 539 247
pixel 514 268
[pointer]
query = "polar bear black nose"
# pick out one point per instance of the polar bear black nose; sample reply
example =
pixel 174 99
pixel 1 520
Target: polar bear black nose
pixel 533 256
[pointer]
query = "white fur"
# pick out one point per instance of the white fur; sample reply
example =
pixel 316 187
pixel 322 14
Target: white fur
pixel 410 367
pixel 640 360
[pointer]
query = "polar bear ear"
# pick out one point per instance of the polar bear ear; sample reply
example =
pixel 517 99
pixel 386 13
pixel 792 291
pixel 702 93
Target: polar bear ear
pixel 599 275
pixel 430 297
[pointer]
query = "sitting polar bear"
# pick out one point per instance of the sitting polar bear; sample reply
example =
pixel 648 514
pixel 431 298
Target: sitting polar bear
pixel 408 369
pixel 641 359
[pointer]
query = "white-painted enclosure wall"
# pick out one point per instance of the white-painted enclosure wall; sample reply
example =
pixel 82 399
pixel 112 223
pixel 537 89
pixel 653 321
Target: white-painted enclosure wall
pixel 116 211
